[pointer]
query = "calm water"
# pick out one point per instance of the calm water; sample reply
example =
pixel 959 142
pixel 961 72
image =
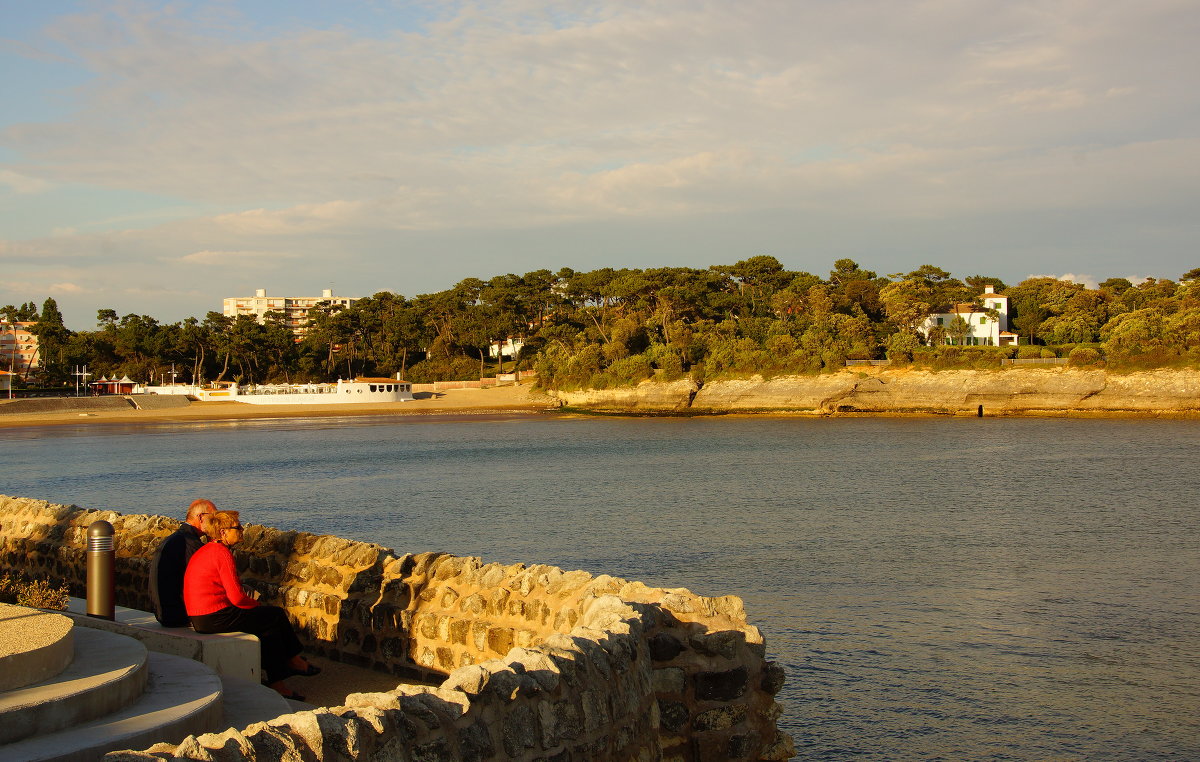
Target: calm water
pixel 937 589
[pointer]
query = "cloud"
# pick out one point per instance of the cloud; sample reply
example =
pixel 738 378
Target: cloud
pixel 23 184
pixel 1060 132
pixel 458 108
pixel 1084 280
pixel 67 288
pixel 247 259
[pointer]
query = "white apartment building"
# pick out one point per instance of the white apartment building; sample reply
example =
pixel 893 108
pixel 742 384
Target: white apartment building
pixel 295 309
pixel 977 328
pixel 18 346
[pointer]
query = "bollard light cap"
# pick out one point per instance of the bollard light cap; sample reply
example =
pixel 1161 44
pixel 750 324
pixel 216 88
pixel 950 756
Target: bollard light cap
pixel 100 528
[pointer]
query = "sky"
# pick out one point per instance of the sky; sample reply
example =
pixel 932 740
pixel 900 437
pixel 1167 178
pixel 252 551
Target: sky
pixel 157 157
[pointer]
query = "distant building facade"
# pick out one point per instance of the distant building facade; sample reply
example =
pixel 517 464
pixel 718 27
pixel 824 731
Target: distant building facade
pixel 295 309
pixel 968 325
pixel 18 346
pixel 507 348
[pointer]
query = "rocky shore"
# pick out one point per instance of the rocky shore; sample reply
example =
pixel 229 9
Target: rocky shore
pixel 885 391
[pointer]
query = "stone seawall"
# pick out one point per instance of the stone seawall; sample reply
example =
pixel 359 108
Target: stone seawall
pixel 1016 391
pixel 532 662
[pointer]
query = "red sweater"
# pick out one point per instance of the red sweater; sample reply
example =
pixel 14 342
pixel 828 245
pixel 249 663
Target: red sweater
pixel 211 582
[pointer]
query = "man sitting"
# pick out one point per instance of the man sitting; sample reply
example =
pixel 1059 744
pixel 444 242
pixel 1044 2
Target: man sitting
pixel 171 559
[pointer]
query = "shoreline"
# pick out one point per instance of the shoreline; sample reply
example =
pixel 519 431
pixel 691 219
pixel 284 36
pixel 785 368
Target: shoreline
pixel 503 400
pixel 749 398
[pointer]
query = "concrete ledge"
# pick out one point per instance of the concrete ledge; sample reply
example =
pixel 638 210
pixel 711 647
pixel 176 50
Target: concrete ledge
pixel 229 654
pixel 35 645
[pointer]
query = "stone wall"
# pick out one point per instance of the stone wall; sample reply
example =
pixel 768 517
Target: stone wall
pixel 531 662
pixel 1011 391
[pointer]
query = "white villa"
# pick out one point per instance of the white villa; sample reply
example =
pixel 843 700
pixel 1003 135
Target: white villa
pixel 968 325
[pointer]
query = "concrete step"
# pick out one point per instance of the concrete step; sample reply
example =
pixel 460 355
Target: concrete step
pixel 230 654
pixel 35 645
pixel 245 703
pixel 182 698
pixel 108 672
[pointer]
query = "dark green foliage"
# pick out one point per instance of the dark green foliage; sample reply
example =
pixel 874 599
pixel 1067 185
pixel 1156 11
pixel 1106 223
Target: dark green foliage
pixel 613 327
pixel 1083 356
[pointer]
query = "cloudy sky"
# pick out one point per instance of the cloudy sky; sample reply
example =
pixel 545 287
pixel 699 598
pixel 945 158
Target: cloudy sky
pixel 157 157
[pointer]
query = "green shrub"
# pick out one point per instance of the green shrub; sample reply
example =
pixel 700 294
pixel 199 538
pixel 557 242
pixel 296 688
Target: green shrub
pixel 902 348
pixel 1083 356
pixel 1047 353
pixel 34 594
pixel 781 345
pixel 444 369
pixel 1028 352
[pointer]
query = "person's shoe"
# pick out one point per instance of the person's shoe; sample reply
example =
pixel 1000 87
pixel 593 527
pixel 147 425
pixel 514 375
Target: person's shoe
pixel 291 695
pixel 311 671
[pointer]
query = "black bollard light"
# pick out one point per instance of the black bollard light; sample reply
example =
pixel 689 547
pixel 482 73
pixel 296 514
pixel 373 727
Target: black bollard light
pixel 101 588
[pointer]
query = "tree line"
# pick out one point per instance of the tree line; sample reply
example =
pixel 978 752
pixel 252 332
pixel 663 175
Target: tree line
pixel 615 326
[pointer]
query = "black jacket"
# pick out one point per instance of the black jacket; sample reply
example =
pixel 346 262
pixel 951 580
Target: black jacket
pixel 166 575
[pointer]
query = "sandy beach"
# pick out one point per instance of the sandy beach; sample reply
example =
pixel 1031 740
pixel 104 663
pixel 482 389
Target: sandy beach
pixel 501 399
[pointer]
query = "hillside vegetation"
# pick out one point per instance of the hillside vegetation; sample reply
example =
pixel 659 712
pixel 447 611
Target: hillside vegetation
pixel 608 327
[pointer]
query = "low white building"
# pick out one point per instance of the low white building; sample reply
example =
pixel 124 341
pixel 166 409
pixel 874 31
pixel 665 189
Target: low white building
pixel 507 348
pixel 969 325
pixel 295 309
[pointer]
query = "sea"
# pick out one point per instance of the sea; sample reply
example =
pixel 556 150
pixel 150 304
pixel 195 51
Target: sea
pixel 935 588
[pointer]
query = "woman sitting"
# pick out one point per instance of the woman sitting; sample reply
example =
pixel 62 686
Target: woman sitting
pixel 215 602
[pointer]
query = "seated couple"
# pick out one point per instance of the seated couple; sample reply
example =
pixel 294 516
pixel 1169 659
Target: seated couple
pixel 211 597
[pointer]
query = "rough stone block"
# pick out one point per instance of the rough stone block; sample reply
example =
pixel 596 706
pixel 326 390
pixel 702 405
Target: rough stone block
pixel 497 601
pixel 596 714
pixel 537 665
pixel 479 635
pixel 493 575
pixel 459 629
pixel 470 679
pixel 665 647
pixel 500 640
pixel 473 604
pixel 772 678
pixel 519 731
pixel 427 626
pixel 668 680
pixel 742 746
pixel 427 658
pixel 475 743
pixel 330 576
pixel 673 716
pixel 437 750
pixel 721 686
pixel 723 644
pixel 721 718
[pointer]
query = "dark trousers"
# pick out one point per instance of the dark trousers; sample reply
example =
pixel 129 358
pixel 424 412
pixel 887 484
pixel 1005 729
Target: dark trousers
pixel 277 640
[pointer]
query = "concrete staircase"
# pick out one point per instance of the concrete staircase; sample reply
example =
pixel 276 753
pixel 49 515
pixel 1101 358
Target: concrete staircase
pixel 75 693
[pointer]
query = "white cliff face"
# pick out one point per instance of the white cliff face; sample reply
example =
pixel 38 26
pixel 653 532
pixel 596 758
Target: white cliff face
pixel 1015 391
